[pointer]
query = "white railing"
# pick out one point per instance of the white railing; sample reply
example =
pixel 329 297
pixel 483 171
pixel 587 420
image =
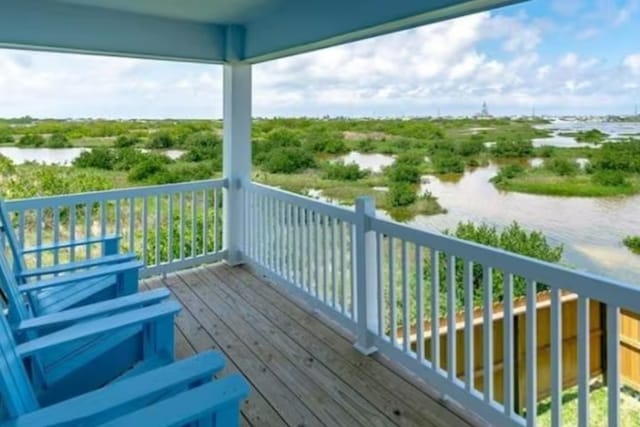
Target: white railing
pixel 168 226
pixel 426 300
pixel 305 244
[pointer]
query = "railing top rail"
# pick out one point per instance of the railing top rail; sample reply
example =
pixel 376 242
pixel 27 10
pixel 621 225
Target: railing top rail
pixel 97 196
pixel 624 295
pixel 321 207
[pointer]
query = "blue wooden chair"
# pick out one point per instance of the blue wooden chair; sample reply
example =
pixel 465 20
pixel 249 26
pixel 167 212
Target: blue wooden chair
pixel 65 370
pixel 48 299
pixel 177 394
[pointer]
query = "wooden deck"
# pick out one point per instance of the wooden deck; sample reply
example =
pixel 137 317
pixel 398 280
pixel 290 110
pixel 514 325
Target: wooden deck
pixel 302 371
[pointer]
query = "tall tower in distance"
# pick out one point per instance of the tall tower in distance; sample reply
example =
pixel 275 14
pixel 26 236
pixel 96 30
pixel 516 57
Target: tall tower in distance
pixel 485 110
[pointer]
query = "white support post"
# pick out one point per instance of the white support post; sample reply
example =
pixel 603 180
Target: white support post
pixel 236 155
pixel 366 277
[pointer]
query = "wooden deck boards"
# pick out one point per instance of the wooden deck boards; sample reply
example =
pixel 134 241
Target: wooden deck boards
pixel 302 372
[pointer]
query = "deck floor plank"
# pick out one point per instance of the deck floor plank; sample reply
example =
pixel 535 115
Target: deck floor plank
pixel 302 371
pixel 387 378
pixel 333 384
pixel 318 402
pixel 256 410
pixel 397 411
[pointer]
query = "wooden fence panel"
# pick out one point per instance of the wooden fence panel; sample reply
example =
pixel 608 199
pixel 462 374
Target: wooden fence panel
pixel 569 346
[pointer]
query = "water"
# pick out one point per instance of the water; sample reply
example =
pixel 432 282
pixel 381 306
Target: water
pixel 56 156
pixel 591 229
pixel 50 156
pixel 373 162
pixel 614 130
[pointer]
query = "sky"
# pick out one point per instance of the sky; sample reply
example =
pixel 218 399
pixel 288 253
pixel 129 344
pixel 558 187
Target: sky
pixel 554 56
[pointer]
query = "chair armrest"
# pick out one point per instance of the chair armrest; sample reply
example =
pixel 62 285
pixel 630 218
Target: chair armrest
pixel 69 244
pixel 87 312
pixel 77 265
pixel 98 326
pixel 99 406
pixel 81 276
pixel 190 406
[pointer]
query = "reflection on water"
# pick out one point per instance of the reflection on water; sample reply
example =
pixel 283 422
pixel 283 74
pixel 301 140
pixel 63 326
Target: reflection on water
pixel 591 229
pixel 57 156
pixel 373 162
pixel 614 130
pixel 50 156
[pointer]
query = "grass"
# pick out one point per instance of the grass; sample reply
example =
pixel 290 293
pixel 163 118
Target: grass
pixel 545 183
pixel 629 409
pixel 346 192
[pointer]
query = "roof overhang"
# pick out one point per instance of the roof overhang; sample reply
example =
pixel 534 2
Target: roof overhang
pixel 214 31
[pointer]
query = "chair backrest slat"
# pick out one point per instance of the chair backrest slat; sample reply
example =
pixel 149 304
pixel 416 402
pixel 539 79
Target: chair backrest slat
pixel 17 305
pixel 7 231
pixel 16 394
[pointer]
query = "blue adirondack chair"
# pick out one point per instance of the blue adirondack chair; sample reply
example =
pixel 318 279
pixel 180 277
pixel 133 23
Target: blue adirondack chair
pixel 65 371
pixel 177 394
pixel 49 299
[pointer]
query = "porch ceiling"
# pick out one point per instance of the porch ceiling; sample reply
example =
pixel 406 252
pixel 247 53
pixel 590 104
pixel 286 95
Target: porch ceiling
pixel 214 31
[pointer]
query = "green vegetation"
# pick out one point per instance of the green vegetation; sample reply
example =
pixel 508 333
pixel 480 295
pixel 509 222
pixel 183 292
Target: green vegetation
pixel 341 172
pixel 613 170
pixel 629 408
pixel 514 239
pixel 592 136
pixel 31 140
pixel 633 243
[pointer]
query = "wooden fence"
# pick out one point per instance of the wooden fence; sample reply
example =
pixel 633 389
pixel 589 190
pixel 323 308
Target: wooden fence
pixel 629 346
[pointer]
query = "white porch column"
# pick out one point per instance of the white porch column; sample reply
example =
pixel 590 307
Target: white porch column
pixel 236 154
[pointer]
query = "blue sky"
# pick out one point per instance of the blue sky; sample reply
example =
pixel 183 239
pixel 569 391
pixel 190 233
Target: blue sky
pixel 557 56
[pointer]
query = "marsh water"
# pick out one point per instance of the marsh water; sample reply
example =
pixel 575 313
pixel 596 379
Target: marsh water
pixel 590 229
pixel 56 156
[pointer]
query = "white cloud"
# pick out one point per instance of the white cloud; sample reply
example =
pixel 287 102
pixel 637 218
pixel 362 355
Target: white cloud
pixel 452 65
pixel 626 12
pixel 588 33
pixel 632 62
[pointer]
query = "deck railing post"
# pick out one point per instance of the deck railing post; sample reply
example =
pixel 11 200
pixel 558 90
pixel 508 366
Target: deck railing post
pixel 366 277
pixel 236 155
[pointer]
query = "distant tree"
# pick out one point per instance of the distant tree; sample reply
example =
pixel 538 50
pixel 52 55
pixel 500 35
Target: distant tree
pixel 31 140
pixel 160 139
pixel 58 140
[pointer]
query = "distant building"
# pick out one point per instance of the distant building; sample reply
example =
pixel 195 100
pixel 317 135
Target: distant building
pixel 484 113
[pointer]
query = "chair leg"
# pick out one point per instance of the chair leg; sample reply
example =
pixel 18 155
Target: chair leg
pixel 127 283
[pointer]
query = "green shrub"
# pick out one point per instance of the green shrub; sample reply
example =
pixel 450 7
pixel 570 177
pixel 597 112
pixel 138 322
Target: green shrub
pixel 610 178
pixel 508 172
pixel 124 141
pixel 512 148
pixel 6 137
pixel 6 166
pixel 202 146
pixel 562 167
pixel 514 239
pixel 288 160
pixel 57 140
pixel 341 172
pixel 159 140
pixel 471 147
pixel 447 163
pixel 633 243
pixel 99 158
pixel 593 136
pixel 325 142
pixel 403 172
pixel 401 194
pixel 147 171
pixel 546 151
pixel 31 140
